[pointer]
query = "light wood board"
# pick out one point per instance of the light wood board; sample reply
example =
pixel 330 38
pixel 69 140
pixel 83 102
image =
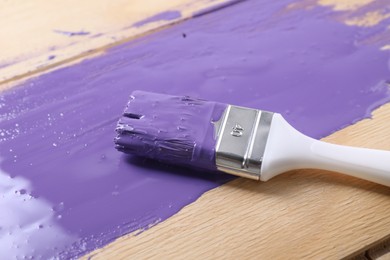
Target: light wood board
pixel 29 30
pixel 301 214
pixel 305 214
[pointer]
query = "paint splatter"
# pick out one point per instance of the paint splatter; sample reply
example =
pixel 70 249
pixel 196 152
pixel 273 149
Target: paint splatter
pixel 71 34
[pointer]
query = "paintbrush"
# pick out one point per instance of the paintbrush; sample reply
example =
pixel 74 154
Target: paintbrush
pixel 246 142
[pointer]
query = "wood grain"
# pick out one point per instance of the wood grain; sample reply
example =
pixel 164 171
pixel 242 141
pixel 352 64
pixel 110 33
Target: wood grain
pixel 301 214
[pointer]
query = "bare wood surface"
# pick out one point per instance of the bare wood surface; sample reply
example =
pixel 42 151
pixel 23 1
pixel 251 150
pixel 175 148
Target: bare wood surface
pixel 300 214
pixel 33 31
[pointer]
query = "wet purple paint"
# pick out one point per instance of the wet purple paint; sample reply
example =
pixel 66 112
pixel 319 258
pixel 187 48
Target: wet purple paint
pixel 57 130
pixel 172 129
pixel 163 16
pixel 71 34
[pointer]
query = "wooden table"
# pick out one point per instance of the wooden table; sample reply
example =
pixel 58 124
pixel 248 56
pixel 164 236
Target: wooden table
pixel 300 214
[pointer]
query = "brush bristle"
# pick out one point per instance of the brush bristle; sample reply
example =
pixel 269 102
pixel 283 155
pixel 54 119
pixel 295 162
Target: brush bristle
pixel 171 129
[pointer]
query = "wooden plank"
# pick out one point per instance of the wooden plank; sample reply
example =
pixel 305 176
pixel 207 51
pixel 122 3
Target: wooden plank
pixel 31 39
pixel 380 251
pixel 301 214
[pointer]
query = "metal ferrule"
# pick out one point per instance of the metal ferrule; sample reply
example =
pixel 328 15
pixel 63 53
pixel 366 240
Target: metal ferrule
pixel 242 134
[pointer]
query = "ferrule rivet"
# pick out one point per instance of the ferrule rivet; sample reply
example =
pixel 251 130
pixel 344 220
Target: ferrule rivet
pixel 237 131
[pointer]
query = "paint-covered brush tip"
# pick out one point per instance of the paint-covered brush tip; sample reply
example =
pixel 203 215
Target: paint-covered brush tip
pixel 172 129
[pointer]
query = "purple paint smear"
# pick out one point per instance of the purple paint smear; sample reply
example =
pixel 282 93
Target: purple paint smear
pixel 5 64
pixel 163 16
pixel 71 34
pixel 66 190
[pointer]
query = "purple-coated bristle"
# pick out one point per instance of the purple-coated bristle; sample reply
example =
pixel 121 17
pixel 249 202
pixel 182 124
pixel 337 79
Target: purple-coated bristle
pixel 171 129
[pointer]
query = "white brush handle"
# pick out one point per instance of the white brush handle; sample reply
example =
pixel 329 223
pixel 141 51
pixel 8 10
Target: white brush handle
pixel 288 149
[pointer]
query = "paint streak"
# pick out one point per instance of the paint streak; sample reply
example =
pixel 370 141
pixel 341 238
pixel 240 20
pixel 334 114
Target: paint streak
pixel 71 34
pixel 5 64
pixel 164 16
pixel 57 130
pixel 216 7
